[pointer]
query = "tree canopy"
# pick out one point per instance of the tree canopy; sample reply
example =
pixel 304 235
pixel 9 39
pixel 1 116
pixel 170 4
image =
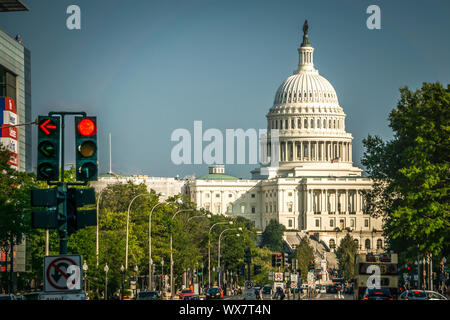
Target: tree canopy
pixel 411 172
pixel 272 237
pixel 346 253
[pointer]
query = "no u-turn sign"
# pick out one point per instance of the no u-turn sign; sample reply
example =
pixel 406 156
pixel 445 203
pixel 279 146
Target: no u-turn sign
pixel 62 273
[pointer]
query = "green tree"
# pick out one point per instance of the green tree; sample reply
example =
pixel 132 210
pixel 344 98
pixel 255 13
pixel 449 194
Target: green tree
pixel 272 237
pixel 304 254
pixel 346 253
pixel 411 173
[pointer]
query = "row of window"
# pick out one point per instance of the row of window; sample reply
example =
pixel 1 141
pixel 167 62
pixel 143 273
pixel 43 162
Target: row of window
pixel 217 209
pixel 230 195
pixel 283 97
pixel 342 223
pixel 367 244
pixel 307 123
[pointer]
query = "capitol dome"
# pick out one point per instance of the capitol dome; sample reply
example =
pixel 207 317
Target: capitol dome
pixel 309 121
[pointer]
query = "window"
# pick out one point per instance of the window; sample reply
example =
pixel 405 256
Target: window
pixel 290 207
pixel 306 124
pixel 281 124
pixel 367 244
pixel 324 124
pixel 290 223
pixel 352 223
pixel 242 208
pixel 207 207
pixel 207 195
pixel 253 209
pixel 217 195
pixel 253 195
pixel 318 123
pixel 312 123
pixel 317 223
pixel 299 123
pixel 379 244
pixel 290 194
pixel 293 124
pixel 331 223
pixel 230 195
pixel 7 84
pixel 366 223
pixel 286 124
pixel 332 244
pixel 230 208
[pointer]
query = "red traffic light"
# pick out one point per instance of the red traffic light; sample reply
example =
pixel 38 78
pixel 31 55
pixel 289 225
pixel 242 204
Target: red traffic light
pixel 46 126
pixel 87 127
pixel 279 255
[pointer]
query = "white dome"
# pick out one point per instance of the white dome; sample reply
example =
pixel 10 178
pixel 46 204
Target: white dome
pixel 304 87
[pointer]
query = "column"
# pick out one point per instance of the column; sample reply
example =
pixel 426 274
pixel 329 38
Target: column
pixel 350 158
pixel 301 150
pixel 326 201
pixel 346 202
pixel 316 152
pixel 309 150
pixel 336 202
pixel 308 199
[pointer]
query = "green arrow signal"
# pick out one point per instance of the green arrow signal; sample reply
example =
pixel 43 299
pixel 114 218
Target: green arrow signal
pixel 47 149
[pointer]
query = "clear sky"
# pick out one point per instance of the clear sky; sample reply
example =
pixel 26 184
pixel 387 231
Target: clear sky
pixel 146 68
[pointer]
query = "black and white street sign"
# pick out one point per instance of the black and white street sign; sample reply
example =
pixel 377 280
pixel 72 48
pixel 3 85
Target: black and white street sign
pixel 248 284
pixel 62 273
pixel 279 276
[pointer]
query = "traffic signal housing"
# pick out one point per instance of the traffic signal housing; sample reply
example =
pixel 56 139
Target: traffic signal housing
pixel 48 157
pixel 76 218
pixel 256 269
pixel 284 259
pixel 248 256
pixel 86 148
pixel 241 270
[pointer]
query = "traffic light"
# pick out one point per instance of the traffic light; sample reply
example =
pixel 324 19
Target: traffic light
pixel 241 269
pixel 86 148
pixel 248 256
pixel 48 148
pixel 311 266
pixel 256 269
pixel 278 260
pixel 285 259
pixel 78 219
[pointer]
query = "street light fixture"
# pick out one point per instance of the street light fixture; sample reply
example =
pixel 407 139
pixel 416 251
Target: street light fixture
pixel 106 281
pixel 218 250
pixel 136 270
pixel 171 252
pixel 85 269
pixel 209 248
pixel 122 270
pixel 150 261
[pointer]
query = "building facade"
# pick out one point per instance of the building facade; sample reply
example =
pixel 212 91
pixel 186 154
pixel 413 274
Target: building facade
pixel 315 188
pixel 15 85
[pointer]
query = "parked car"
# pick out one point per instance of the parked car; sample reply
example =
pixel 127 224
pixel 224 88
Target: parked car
pixel 191 296
pixel 331 289
pixel 32 295
pixel 421 295
pixel 148 295
pixel 267 290
pixel 7 297
pixel 377 294
pixel 214 293
pixel 184 292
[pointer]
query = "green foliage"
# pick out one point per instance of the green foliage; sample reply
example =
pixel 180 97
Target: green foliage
pixel 272 236
pixel 304 254
pixel 346 253
pixel 411 173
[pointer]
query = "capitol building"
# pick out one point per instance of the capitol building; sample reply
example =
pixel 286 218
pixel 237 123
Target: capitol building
pixel 315 190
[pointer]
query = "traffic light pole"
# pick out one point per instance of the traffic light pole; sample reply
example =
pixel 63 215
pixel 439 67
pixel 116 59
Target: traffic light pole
pixel 63 186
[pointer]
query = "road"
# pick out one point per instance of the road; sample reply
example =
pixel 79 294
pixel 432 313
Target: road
pixel 320 296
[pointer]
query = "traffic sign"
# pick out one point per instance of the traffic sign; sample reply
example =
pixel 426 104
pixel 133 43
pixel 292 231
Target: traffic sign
pixel 294 285
pixel 278 276
pixel 248 284
pixel 62 273
pixel 294 277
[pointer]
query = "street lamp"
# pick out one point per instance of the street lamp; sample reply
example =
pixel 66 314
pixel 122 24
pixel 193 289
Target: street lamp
pixel 150 261
pixel 128 223
pixel 218 250
pixel 171 252
pixel 209 248
pixel 85 269
pixel 162 274
pixel 122 270
pixel 106 281
pixel 136 269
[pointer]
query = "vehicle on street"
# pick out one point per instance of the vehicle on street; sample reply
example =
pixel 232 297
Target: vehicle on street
pixel 191 296
pixel 348 289
pixel 7 297
pixel 331 289
pixel 323 289
pixel 267 290
pixel 184 292
pixel 377 294
pixel 148 295
pixel 421 295
pixel 214 293
pixel 32 295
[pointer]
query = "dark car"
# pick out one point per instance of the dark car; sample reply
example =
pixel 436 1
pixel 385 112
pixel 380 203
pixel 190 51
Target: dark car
pixel 332 289
pixel 213 293
pixel 377 294
pixel 7 297
pixel 32 296
pixel 267 290
pixel 148 295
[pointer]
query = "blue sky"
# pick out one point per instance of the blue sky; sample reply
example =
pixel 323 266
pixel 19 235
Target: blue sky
pixel 146 68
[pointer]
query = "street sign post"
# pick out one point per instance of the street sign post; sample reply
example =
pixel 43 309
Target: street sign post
pixel 249 292
pixel 278 277
pixel 63 274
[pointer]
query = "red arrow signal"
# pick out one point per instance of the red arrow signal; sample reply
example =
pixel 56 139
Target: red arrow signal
pixel 47 125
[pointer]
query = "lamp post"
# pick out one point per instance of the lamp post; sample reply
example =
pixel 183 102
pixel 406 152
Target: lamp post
pixel 97 227
pixel 122 270
pixel 85 269
pixel 214 272
pixel 128 223
pixel 218 250
pixel 150 261
pixel 171 253
pixel 162 274
pixel 136 270
pixel 209 249
pixel 106 281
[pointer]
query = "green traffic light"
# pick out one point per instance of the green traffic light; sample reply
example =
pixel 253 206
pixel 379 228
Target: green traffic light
pixel 88 170
pixel 47 171
pixel 47 149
